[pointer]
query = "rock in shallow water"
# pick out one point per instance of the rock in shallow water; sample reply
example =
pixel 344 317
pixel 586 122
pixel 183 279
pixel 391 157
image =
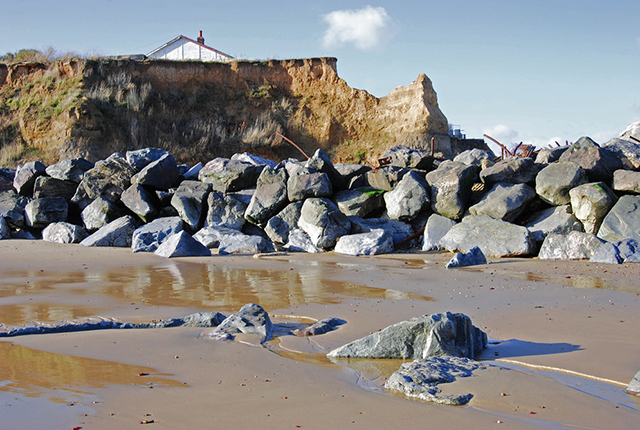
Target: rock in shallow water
pixel 420 378
pixel 250 319
pixel 471 258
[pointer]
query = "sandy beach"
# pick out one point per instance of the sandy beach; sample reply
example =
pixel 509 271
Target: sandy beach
pixel 563 341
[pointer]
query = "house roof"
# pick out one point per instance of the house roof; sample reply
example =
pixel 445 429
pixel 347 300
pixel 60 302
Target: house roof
pixel 171 42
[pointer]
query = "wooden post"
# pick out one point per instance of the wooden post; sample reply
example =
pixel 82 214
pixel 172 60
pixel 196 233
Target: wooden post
pixel 433 147
pixel 504 148
pixel 291 142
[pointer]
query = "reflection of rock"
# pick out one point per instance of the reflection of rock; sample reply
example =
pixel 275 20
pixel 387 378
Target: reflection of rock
pixel 250 319
pixel 420 378
pixel 420 337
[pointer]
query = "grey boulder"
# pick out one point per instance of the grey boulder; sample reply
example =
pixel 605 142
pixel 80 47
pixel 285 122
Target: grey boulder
pixel 46 186
pixel 626 181
pixel 554 182
pixel 626 150
pixel 69 170
pixel 108 178
pixel 590 203
pixel 225 210
pixel 149 237
pixel 64 232
pixel 226 175
pixel 279 226
pixel 320 162
pixel 596 161
pixel 140 202
pixel 321 219
pixel 189 200
pixel 160 174
pixel 385 178
pixel 5 231
pixel 436 228
pixel 244 244
pixel 181 244
pixel 42 212
pixel 308 184
pixel 474 156
pixel 419 379
pixel 99 213
pixel 117 233
pixel 270 196
pixel 360 202
pixel 496 238
pixel 399 230
pixel 472 258
pixel 408 198
pixel 299 241
pixel 444 334
pixel 504 201
pixel 12 208
pixel 250 319
pixel 634 385
pixel 141 158
pixel 556 219
pixel 517 170
pixel 622 221
pixel 575 245
pixel 212 236
pixel 372 243
pixel 26 175
pixel 451 186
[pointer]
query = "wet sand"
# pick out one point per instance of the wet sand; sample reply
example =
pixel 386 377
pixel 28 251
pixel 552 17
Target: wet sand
pixel 574 316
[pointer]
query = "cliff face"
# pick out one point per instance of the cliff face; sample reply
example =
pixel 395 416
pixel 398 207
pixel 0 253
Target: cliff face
pixel 199 111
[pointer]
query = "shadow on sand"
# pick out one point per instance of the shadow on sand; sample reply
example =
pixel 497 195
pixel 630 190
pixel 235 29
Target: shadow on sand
pixel 519 348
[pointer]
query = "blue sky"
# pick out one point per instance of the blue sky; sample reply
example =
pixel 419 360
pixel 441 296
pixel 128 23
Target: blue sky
pixel 532 71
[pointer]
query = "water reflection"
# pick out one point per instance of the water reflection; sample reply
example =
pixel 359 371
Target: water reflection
pixel 46 312
pixel 34 373
pixel 183 284
pixel 576 281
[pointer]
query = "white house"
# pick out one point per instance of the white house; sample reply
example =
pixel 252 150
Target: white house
pixel 183 48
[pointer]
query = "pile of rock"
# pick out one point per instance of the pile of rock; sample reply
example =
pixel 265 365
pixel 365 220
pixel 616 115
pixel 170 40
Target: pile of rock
pixel 570 202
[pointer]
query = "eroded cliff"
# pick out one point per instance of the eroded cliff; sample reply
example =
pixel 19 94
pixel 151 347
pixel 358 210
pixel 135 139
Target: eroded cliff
pixel 199 111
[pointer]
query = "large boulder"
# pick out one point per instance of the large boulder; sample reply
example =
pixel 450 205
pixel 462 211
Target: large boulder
pixel 108 178
pixel 372 243
pixel 117 233
pixel 444 334
pixel 626 181
pixel 408 198
pixel 270 196
pixel 474 157
pixel 575 245
pixel 436 228
pixel 596 161
pixel 496 238
pixel 226 175
pixel 99 213
pixel 160 174
pixel 627 151
pixel 149 237
pixel 360 202
pixel 403 156
pixel 516 170
pixel 320 162
pixel 321 219
pixel 181 244
pixel 279 226
pixel 250 319
pixel 550 155
pixel 26 175
pixel 399 230
pixel 63 232
pixel 590 203
pixel 554 182
pixel 12 208
pixel 41 212
pixel 46 186
pixel 244 244
pixel 622 221
pixel 608 253
pixel 556 219
pixel 385 178
pixel 69 170
pixel 308 184
pixel 189 200
pixel 504 201
pixel 299 241
pixel 225 210
pixel 212 236
pixel 141 158
pixel 141 202
pixel 451 186
pixel 254 159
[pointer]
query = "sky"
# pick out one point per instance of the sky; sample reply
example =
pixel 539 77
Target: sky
pixel 520 71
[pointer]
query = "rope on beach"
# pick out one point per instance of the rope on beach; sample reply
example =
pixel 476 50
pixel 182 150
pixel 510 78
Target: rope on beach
pixel 558 369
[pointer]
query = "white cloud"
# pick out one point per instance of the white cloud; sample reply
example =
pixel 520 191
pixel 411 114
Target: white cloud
pixel 367 28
